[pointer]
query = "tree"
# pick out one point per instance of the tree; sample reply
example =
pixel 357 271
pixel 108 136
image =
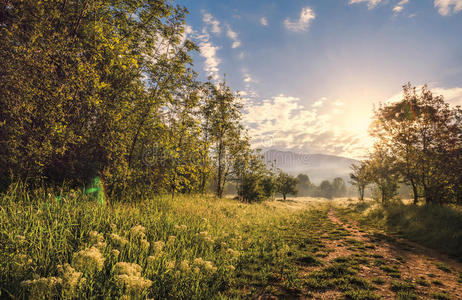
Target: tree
pixel 359 178
pixel 223 112
pixel 338 187
pixel 326 190
pixel 422 133
pixel 304 186
pixel 286 185
pixel 383 173
pixel 83 83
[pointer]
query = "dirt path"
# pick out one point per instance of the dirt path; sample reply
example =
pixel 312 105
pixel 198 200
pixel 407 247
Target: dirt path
pixel 429 274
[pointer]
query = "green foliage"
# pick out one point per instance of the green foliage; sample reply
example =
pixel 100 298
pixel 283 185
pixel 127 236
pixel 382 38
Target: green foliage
pixel 418 141
pixel 83 84
pixel 360 178
pixel 304 186
pixel 286 185
pixel 106 89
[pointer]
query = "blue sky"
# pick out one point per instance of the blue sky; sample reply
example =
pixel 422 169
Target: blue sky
pixel 310 71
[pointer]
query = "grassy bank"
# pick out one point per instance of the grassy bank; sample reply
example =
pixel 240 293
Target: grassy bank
pixel 437 227
pixel 191 247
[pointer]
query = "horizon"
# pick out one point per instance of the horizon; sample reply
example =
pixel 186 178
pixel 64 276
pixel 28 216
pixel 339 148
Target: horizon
pixel 310 72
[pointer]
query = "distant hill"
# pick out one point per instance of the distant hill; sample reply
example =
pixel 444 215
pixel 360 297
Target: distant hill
pixel 317 166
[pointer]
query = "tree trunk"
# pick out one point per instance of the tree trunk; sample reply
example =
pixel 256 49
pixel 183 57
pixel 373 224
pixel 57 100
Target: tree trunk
pixel 220 169
pixel 284 197
pixel 415 192
pixel 361 193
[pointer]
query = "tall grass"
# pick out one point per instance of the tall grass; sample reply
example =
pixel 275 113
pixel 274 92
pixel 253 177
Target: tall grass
pixel 438 227
pixel 189 247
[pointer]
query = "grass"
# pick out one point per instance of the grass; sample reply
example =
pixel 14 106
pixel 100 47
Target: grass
pixel 190 247
pixel 438 227
pixel 195 247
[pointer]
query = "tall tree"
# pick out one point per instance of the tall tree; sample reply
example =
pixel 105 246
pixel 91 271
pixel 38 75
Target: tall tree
pixel 359 178
pixel 223 112
pixel 422 133
pixel 83 81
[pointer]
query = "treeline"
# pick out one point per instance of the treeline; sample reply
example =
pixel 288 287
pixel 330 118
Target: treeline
pixel 418 143
pixel 327 189
pixel 107 89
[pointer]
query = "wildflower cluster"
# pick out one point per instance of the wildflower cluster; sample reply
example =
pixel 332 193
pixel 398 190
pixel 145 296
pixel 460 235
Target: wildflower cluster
pixel 42 287
pixel 71 280
pixel 118 241
pixel 138 235
pixel 89 260
pixel 128 277
pixel 181 227
pixel 97 240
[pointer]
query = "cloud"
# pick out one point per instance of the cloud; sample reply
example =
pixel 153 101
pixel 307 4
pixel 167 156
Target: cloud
pixel 302 24
pixel 319 103
pixel 448 7
pixel 263 21
pixel 289 125
pixel 206 48
pixel 209 52
pixel 370 3
pixel 234 37
pixel 400 6
pixel 212 22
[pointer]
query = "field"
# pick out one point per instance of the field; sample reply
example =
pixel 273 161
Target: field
pixel 196 247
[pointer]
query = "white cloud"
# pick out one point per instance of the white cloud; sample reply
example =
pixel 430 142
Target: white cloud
pixel 400 6
pixel 288 124
pixel 448 7
pixel 319 103
pixel 209 52
pixel 248 78
pixel 264 21
pixel 206 48
pixel 370 3
pixel 302 24
pixel 212 22
pixel 234 38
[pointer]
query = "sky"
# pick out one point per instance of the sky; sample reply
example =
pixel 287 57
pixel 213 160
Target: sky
pixel 311 71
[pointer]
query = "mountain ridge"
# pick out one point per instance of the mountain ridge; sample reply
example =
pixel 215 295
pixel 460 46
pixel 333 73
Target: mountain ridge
pixel 317 166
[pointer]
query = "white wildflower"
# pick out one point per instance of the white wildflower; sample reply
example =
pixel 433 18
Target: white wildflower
pixel 184 266
pixel 42 288
pixel 115 253
pixel 71 280
pixel 127 268
pixel 181 227
pixel 151 259
pixel 117 240
pixel 138 231
pixel 128 276
pixel 199 261
pixel 233 253
pixel 158 247
pixel 97 240
pixel 209 266
pixel 171 240
pixel 88 260
pixel 144 244
pixel 170 265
